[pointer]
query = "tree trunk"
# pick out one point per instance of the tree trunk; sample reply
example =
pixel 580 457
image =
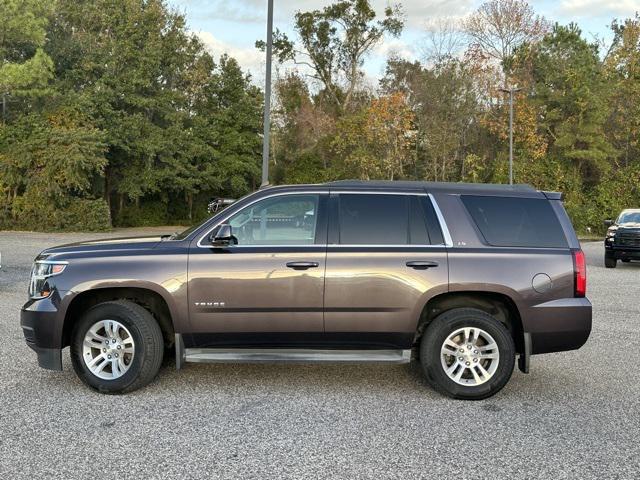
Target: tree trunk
pixel 107 189
pixel 190 203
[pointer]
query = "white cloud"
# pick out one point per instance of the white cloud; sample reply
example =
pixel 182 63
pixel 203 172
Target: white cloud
pixel 591 8
pixel 248 58
pixel 254 11
pixel 395 47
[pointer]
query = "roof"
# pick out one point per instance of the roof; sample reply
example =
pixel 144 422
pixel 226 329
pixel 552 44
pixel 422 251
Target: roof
pixel 404 184
pixel 431 187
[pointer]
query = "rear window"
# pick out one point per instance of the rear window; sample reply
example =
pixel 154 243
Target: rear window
pixel 516 222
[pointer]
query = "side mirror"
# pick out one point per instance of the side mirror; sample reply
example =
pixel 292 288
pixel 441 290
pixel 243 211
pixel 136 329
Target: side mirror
pixel 608 223
pixel 223 237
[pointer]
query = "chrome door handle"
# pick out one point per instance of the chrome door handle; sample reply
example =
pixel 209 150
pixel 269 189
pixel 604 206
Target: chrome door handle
pixel 302 265
pixel 422 265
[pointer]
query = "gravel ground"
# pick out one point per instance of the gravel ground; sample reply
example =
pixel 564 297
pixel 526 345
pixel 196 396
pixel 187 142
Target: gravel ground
pixel 576 415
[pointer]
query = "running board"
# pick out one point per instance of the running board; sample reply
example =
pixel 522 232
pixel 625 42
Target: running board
pixel 285 355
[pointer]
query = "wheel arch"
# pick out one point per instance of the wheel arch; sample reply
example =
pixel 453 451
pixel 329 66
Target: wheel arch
pixel 149 299
pixel 499 305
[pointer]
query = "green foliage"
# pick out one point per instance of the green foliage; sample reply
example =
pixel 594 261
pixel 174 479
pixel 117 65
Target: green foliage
pixel 334 41
pixel 146 214
pixel 116 102
pixel 24 65
pixel 569 87
pixel 117 114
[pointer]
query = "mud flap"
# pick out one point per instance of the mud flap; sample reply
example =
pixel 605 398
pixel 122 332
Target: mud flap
pixel 525 357
pixel 180 353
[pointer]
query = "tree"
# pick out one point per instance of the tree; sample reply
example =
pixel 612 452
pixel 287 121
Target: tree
pixel 622 67
pixel 498 27
pixel 25 69
pixel 443 100
pixel 571 95
pixel 333 43
pixel 377 142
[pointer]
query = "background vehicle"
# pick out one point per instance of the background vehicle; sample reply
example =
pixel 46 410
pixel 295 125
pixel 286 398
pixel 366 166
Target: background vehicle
pixel 218 204
pixel 464 276
pixel 623 238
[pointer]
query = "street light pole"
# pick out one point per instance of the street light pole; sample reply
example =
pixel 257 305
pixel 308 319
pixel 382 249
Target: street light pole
pixel 510 91
pixel 267 97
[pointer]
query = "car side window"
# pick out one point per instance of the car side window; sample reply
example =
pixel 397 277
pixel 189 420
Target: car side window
pixel 280 220
pixel 385 219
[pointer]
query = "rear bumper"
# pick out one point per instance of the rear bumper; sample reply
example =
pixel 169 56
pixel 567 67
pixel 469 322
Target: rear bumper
pixel 42 330
pixel 559 325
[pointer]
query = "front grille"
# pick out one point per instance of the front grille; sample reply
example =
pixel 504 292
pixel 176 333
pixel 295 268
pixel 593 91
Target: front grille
pixel 628 239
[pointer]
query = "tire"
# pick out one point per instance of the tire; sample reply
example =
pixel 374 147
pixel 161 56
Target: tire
pixel 610 261
pixel 433 361
pixel 142 337
pixel 625 260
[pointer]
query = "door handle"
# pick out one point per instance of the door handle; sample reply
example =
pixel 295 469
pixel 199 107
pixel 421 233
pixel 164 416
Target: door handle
pixel 422 265
pixel 302 265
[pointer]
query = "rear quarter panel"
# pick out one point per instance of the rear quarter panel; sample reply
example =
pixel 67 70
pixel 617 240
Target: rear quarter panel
pixel 552 315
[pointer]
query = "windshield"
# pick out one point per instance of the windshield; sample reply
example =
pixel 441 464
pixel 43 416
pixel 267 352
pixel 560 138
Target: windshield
pixel 629 217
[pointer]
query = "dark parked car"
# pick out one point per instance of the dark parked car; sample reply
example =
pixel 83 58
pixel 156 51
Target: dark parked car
pixel 462 278
pixel 623 238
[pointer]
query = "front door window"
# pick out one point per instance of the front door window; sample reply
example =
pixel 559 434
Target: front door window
pixel 280 220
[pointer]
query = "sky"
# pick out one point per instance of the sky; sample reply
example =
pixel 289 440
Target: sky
pixel 233 26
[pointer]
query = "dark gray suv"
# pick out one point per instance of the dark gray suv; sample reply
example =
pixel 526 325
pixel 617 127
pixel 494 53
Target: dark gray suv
pixel 462 278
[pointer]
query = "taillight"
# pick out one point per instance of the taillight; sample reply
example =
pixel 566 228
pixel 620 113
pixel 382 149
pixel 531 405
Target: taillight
pixel 579 273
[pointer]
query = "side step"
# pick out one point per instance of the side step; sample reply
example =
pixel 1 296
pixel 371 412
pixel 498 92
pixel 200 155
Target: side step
pixel 285 355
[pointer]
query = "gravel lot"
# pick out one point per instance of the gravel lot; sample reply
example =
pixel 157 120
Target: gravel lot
pixel 577 415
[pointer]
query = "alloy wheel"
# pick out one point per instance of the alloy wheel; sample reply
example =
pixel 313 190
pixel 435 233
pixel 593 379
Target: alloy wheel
pixel 470 356
pixel 108 349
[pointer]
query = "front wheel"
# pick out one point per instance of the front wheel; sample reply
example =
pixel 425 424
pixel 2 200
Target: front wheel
pixel 467 354
pixel 117 347
pixel 610 261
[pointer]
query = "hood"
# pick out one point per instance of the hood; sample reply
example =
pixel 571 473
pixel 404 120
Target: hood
pixel 107 245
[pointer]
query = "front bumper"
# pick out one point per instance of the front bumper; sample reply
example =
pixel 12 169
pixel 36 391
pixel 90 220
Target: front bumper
pixel 621 252
pixel 42 328
pixel 559 325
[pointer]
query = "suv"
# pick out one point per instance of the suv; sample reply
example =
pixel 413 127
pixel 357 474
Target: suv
pixel 463 278
pixel 623 238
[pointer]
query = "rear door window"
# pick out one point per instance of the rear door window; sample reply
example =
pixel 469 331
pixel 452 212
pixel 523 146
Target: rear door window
pixel 516 222
pixel 384 219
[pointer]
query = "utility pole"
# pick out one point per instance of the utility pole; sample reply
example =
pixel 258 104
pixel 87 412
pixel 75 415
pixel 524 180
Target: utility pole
pixel 267 97
pixel 510 91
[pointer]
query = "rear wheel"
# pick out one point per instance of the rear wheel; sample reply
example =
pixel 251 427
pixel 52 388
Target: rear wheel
pixel 625 260
pixel 610 261
pixel 117 347
pixel 467 354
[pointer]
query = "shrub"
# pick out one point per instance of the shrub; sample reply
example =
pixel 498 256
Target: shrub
pixel 34 212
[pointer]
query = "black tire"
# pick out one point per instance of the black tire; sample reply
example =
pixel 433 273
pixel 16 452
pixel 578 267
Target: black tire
pixel 610 261
pixel 149 346
pixel 625 260
pixel 443 326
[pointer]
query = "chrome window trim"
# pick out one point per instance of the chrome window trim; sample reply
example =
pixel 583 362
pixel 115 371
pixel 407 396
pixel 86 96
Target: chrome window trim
pixel 448 241
pixel 443 225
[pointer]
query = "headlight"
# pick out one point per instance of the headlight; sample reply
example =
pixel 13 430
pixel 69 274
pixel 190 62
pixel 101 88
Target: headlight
pixel 43 270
